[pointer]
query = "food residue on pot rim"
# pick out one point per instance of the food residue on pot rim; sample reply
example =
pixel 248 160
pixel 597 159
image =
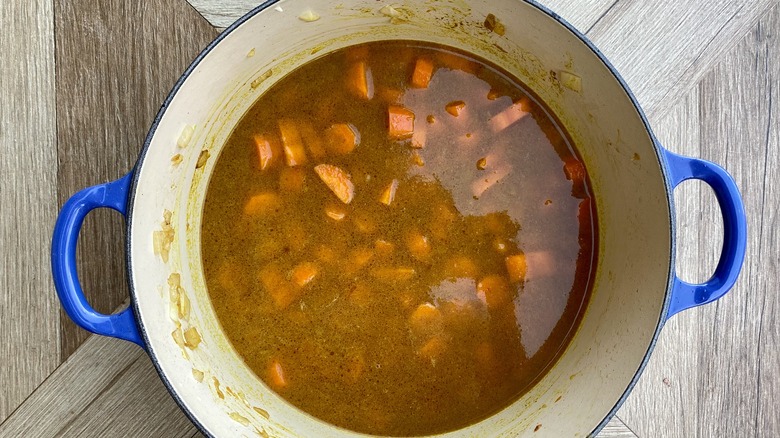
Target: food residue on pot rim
pixel 570 81
pixel 259 80
pixel 251 53
pixel 185 136
pixel 176 159
pixel 309 16
pixel 494 25
pixel 162 239
pixel 197 375
pixel 538 426
pixel 202 158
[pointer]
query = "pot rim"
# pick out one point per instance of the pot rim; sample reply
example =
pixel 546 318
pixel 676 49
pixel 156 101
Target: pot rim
pixel 265 5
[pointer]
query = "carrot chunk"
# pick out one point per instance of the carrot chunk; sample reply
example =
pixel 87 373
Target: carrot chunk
pixel 291 179
pixel 335 212
pixel 388 195
pixel 282 292
pixel 383 248
pixel 400 122
pixel 342 138
pixel 262 204
pixel 516 267
pixel 337 180
pixel 354 366
pixel 276 375
pixel 423 71
pixel 433 349
pixel 268 151
pixel 419 245
pixel 575 172
pixel 294 153
pixel 312 140
pixel 511 115
pixel 304 273
pixel 360 81
pixel 494 290
pixel 461 267
pixel 426 320
pixel 455 108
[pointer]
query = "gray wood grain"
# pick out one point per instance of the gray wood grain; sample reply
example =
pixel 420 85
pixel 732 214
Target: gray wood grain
pixel 663 48
pixel 107 388
pixel 716 371
pixel 116 62
pixel 29 311
pixel 616 429
pixel 582 14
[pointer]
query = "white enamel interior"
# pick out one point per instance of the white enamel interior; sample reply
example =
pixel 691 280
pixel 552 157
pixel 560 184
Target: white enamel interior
pixel 631 194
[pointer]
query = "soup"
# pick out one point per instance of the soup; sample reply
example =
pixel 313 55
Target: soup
pixel 398 238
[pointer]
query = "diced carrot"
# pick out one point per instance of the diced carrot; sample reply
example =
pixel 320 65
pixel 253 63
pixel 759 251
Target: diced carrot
pixel 426 320
pixel 335 212
pixel 540 264
pixel 354 366
pixel 360 81
pixel 291 179
pixel 312 139
pixel 494 291
pixel 419 137
pixel 400 122
pixel 358 258
pixel 360 295
pixel 357 53
pixel 493 94
pixel 433 349
pixel 281 291
pixel 455 108
pixel 516 267
pixel 268 151
pixel 364 223
pixel 294 153
pixel 461 267
pixel 456 62
pixel 392 275
pixel 383 248
pixel 388 195
pixel 511 115
pixel 575 172
pixel 483 183
pixel 304 273
pixel 342 138
pixel 337 180
pixel 423 71
pixel 485 356
pixel 276 375
pixel 419 245
pixel 262 204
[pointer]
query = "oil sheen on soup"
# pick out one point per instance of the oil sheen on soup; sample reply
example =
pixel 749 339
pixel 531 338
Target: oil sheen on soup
pixel 398 238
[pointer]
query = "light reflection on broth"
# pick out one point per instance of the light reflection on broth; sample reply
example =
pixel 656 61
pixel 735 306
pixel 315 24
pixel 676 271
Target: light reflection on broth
pixel 391 275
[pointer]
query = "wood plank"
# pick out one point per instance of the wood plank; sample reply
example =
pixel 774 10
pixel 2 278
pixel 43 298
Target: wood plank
pixel 29 310
pixel 728 380
pixel 616 429
pixel 582 14
pixel 663 48
pixel 116 62
pixel 107 388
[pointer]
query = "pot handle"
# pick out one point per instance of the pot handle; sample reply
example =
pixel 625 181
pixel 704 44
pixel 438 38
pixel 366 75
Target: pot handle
pixel 112 195
pixel 686 295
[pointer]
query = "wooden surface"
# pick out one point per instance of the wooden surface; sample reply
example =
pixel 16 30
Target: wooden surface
pixel 706 71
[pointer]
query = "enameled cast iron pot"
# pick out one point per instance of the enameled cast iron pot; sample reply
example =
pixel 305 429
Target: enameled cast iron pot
pixel 636 289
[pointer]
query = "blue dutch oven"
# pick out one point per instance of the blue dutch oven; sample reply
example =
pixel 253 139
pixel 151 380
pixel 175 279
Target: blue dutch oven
pixel 635 289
